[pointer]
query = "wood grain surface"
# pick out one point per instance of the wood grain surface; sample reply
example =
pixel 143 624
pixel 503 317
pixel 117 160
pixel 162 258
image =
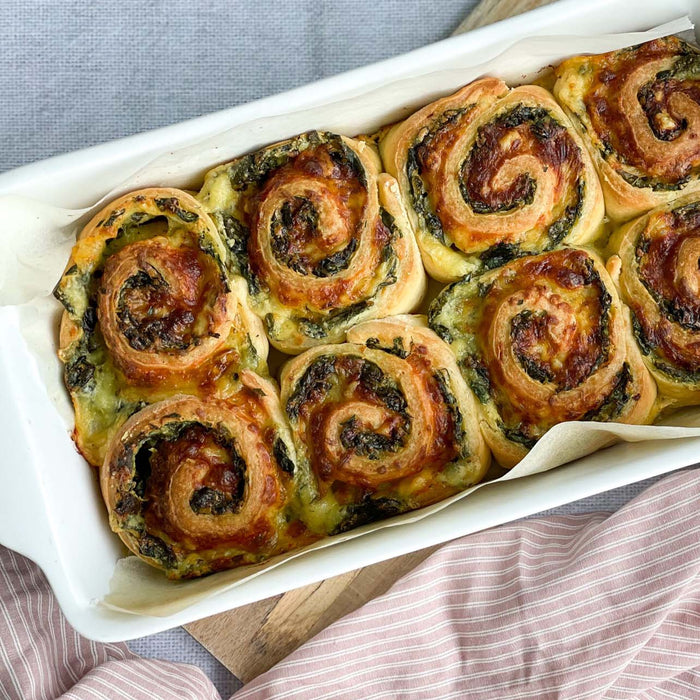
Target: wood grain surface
pixel 251 639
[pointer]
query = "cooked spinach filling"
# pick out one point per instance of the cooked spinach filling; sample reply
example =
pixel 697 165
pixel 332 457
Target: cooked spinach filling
pixel 654 183
pixel 297 219
pixel 252 170
pixel 144 331
pixel 442 377
pixel 172 205
pixel 477 375
pixel 369 510
pixel 560 228
pixel 520 324
pixel 237 234
pixel 648 347
pixel 337 262
pixel 314 384
pixel 420 200
pixel 396 348
pixel 645 343
pixel 320 327
pixel 366 443
pixel 500 254
pixel 157 549
pixel 383 388
pixel 327 371
pixel 79 373
pixel 209 501
pixel 518 435
pixel 143 456
pixel 615 402
pixel 522 192
pixel 686 316
pixel 282 457
pixel 544 128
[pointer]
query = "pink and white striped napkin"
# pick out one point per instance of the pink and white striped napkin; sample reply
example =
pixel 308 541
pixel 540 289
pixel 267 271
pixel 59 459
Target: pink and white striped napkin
pixel 583 606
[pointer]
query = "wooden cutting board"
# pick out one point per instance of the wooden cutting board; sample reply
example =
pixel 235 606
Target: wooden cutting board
pixel 252 639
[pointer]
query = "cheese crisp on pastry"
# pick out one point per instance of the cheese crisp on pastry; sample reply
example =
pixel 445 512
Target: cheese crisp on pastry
pixel 638 110
pixel 490 174
pixel 382 424
pixel 195 485
pixel 320 236
pixel 660 281
pixel 542 340
pixel 150 311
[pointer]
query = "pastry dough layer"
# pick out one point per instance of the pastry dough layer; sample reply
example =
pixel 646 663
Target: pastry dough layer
pixel 194 486
pixel 150 311
pixel 660 281
pixel 638 110
pixel 320 236
pixel 492 173
pixel 542 340
pixel 383 424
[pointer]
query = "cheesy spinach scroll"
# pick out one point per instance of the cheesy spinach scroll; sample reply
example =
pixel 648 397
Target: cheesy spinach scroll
pixel 542 340
pixel 149 311
pixel 319 235
pixel 490 174
pixel 660 281
pixel 382 424
pixel 638 110
pixel 196 485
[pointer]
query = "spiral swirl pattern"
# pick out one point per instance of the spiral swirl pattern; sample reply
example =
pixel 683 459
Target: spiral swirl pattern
pixel 384 422
pixel 319 235
pixel 490 174
pixel 149 311
pixel 544 340
pixel 639 113
pixel 660 281
pixel 195 486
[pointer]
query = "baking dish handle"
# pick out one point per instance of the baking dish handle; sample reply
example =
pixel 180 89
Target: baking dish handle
pixel 24 524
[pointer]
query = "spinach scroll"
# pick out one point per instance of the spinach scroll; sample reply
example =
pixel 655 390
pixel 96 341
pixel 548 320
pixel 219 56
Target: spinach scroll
pixel 195 486
pixel 638 110
pixel 542 340
pixel 150 311
pixel 320 236
pixel 490 174
pixel 382 424
pixel 660 281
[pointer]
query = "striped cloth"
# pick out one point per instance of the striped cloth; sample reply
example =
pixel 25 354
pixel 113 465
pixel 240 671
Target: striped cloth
pixel 581 606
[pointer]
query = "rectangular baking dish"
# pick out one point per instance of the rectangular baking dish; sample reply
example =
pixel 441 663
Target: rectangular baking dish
pixel 50 508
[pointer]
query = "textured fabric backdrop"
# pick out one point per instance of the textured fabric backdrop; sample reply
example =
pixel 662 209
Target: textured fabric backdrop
pixel 76 74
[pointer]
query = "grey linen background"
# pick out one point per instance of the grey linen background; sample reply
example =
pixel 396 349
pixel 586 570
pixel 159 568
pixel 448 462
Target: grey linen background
pixel 77 74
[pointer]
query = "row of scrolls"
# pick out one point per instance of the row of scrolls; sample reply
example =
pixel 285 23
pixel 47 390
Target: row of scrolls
pixel 170 301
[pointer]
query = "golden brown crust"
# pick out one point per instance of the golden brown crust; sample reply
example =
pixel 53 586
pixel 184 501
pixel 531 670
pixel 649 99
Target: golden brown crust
pixel 544 340
pixel 638 110
pixel 384 422
pixel 320 235
pixel 149 312
pixel 660 282
pixel 194 486
pixel 199 468
pixel 491 172
pixel 164 310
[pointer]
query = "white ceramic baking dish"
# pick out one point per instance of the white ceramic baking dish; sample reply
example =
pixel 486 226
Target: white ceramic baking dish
pixel 50 509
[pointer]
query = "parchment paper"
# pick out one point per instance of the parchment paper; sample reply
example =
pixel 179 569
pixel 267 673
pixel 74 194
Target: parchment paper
pixel 36 239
